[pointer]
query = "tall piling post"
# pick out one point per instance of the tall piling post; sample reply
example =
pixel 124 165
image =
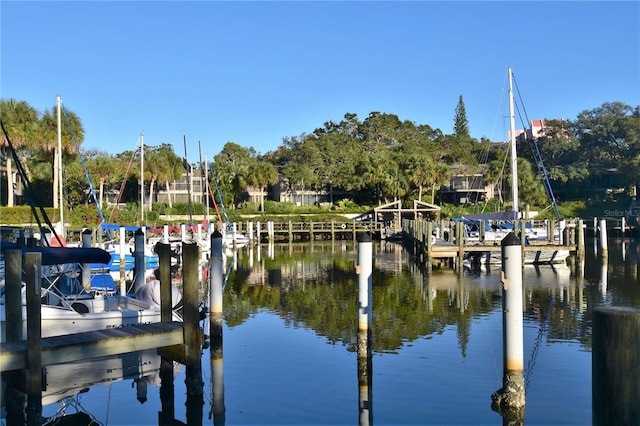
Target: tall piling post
pixel 85 276
pixel 32 266
pixel 13 397
pixel 192 335
pixel 216 286
pixel 364 269
pixel 122 256
pixel 139 259
pixel 604 246
pixel 616 366
pixel 216 281
pixel 510 399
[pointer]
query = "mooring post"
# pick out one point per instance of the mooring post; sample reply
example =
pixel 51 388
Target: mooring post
pixel 85 277
pixel 580 238
pixel 216 289
pixel 122 256
pixel 364 269
pixel 512 394
pixel 192 335
pixel 428 260
pixel 615 381
pixel 603 236
pixel 216 286
pixel 12 297
pixel 139 260
pixel 163 250
pixel 32 265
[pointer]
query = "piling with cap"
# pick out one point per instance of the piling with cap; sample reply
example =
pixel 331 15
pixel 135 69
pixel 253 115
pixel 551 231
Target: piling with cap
pixel 364 270
pixel 512 393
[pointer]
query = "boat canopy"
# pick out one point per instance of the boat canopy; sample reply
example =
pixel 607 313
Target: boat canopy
pixel 62 255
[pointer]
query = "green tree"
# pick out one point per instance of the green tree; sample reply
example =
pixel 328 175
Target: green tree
pixel 460 122
pixel 48 139
pixel 103 166
pixel 21 123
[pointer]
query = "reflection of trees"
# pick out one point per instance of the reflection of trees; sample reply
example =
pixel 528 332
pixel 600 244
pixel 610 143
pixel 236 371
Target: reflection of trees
pixel 316 288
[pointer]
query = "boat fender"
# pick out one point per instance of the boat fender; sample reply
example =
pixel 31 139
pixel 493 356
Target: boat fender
pixel 343 226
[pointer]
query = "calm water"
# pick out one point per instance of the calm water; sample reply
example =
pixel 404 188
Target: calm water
pixel 289 353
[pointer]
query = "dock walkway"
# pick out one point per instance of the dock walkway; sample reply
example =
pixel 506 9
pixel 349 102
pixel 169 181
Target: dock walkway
pixel 92 344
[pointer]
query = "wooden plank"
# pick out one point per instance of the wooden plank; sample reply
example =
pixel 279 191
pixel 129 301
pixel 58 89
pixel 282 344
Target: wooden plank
pixel 92 344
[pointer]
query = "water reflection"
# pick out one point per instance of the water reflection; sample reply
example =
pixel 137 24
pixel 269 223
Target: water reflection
pixel 311 286
pixel 432 336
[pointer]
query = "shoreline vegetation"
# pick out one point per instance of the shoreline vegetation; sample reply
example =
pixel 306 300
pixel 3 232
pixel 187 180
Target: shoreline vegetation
pixel 87 216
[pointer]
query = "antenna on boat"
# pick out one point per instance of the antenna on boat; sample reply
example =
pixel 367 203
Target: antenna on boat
pixel 141 179
pixel 188 166
pixel 514 158
pixel 59 165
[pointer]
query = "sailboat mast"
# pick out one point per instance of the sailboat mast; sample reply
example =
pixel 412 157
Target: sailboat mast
pixel 141 179
pixel 59 164
pixel 514 157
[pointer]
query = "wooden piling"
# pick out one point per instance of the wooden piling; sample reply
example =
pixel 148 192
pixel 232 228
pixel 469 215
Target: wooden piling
pixel 192 335
pixel 32 263
pixel 13 296
pixel 616 366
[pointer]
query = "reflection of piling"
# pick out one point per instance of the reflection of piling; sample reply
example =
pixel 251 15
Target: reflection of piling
pixel 616 366
pixel 32 263
pixel 510 399
pixel 365 411
pixel 192 337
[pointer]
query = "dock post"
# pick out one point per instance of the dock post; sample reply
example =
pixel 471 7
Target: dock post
pixel 603 235
pixel 580 238
pixel 216 289
pixel 429 245
pixel 139 260
pixel 364 269
pixel 290 232
pixel 32 266
pixel 616 365
pixel 460 241
pixel 122 257
pixel 510 399
pixel 163 250
pixel 623 225
pixel 86 267
pixel 216 286
pixel 13 288
pixel 192 336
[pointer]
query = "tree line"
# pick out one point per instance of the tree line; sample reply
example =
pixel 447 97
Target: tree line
pixel 375 160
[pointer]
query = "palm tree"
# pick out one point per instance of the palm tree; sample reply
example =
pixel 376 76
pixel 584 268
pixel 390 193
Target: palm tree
pixel 262 174
pixel 104 166
pixel 20 121
pixel 48 139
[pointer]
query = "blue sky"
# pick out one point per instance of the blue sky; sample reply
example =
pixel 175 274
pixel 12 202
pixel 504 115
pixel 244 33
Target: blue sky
pixel 256 72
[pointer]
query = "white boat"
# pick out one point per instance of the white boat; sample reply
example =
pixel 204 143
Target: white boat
pixel 67 310
pixel 496 234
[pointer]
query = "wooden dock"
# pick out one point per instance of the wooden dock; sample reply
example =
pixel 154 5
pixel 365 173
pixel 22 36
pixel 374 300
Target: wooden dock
pixel 92 344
